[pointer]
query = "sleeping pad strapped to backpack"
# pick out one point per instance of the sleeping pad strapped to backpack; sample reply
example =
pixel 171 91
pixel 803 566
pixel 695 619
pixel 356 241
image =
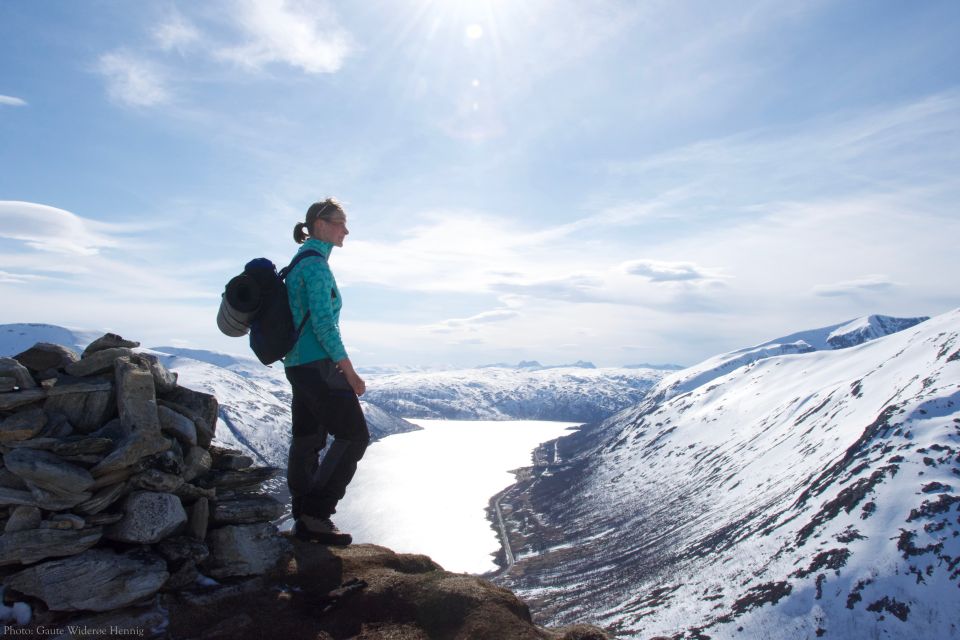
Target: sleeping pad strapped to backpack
pixel 258 298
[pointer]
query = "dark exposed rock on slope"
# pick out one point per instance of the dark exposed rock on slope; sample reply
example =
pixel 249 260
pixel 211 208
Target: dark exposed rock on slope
pixel 795 495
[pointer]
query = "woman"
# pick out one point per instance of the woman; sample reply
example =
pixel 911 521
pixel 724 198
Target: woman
pixel 324 382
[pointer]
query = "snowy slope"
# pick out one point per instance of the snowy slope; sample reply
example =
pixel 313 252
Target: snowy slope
pixel 838 336
pixel 803 495
pixel 15 338
pixel 254 399
pixel 570 393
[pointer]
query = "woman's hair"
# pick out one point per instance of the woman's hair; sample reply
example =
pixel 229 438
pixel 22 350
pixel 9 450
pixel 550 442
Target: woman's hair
pixel 329 210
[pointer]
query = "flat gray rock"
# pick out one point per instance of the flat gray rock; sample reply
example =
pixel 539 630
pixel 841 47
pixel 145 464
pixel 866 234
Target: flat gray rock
pixel 23 518
pixel 178 425
pixel 203 407
pixel 98 362
pixel 179 548
pixel 48 471
pixel 244 550
pixel 56 500
pixel 198 521
pixel 23 425
pixel 197 462
pixel 95 580
pixel 109 341
pixel 148 517
pixel 136 397
pixel 188 493
pixel 13 399
pixel 154 480
pixel 12 497
pixel 130 450
pixel 45 355
pixel 232 461
pixel 32 545
pixel 58 426
pixel 83 446
pixel 10 368
pixel 247 510
pixel 102 499
pixel 240 479
pixel 164 379
pixel 86 405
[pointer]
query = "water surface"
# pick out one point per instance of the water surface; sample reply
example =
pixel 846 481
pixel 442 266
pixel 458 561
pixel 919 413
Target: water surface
pixel 427 491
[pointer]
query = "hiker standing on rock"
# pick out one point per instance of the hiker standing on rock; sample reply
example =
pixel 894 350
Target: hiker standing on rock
pixel 325 385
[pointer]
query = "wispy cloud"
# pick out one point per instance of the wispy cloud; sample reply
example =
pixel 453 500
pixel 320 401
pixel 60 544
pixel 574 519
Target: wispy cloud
pixel 657 271
pixel 471 323
pixel 18 278
pixel 176 33
pixel 12 101
pixel 912 144
pixel 53 230
pixel 251 34
pixel 133 80
pixel 305 35
pixel 69 251
pixel 867 284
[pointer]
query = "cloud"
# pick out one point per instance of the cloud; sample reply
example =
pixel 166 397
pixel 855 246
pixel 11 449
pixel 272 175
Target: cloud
pixel 301 34
pixel 17 278
pixel 866 284
pixel 132 80
pixel 12 101
pixel 666 271
pixel 470 324
pixel 177 33
pixel 573 288
pixel 53 230
pixel 907 145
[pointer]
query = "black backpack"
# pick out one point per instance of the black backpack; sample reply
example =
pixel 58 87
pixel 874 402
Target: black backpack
pixel 272 332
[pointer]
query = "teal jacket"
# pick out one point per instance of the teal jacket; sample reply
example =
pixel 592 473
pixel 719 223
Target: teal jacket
pixel 310 285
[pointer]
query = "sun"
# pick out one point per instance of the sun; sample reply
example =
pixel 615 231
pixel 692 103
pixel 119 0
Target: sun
pixel 474 31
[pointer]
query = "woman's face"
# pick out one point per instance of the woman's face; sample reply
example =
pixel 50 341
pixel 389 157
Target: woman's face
pixel 332 232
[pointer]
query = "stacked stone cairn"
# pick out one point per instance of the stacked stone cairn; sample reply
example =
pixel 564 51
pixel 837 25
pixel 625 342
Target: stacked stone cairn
pixel 111 493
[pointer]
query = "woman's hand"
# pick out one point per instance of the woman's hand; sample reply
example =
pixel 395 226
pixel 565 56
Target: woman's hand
pixel 353 378
pixel 359 386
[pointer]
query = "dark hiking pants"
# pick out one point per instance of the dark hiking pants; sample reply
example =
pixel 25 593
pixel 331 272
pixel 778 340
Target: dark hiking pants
pixel 323 403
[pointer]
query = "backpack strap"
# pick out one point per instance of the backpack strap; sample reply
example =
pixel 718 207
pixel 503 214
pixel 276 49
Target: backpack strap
pixel 296 260
pixel 286 271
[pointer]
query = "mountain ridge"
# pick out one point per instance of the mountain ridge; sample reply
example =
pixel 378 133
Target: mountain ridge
pixel 797 495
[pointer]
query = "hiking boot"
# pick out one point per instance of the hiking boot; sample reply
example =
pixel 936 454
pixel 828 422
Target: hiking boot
pixel 320 530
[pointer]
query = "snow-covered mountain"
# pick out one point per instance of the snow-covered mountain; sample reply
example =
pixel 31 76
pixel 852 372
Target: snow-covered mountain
pixel 254 399
pixel 837 336
pixel 578 392
pixel 795 493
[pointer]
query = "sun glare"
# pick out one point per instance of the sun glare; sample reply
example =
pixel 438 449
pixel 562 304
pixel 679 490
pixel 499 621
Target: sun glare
pixel 474 32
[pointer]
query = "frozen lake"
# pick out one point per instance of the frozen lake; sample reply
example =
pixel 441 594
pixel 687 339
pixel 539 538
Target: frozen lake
pixel 427 491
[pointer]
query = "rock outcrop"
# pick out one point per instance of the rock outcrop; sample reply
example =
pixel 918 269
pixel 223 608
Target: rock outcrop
pixel 120 518
pixel 111 491
pixel 362 591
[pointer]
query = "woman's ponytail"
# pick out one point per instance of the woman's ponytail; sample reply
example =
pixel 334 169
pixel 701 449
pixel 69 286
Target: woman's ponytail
pixel 300 233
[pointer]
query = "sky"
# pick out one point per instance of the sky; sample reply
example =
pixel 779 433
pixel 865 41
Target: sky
pixel 620 182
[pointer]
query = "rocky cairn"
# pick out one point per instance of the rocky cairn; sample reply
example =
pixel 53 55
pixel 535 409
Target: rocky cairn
pixel 111 491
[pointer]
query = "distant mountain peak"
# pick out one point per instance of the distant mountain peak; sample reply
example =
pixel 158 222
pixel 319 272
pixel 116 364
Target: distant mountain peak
pixel 837 336
pixel 792 492
pixel 861 330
